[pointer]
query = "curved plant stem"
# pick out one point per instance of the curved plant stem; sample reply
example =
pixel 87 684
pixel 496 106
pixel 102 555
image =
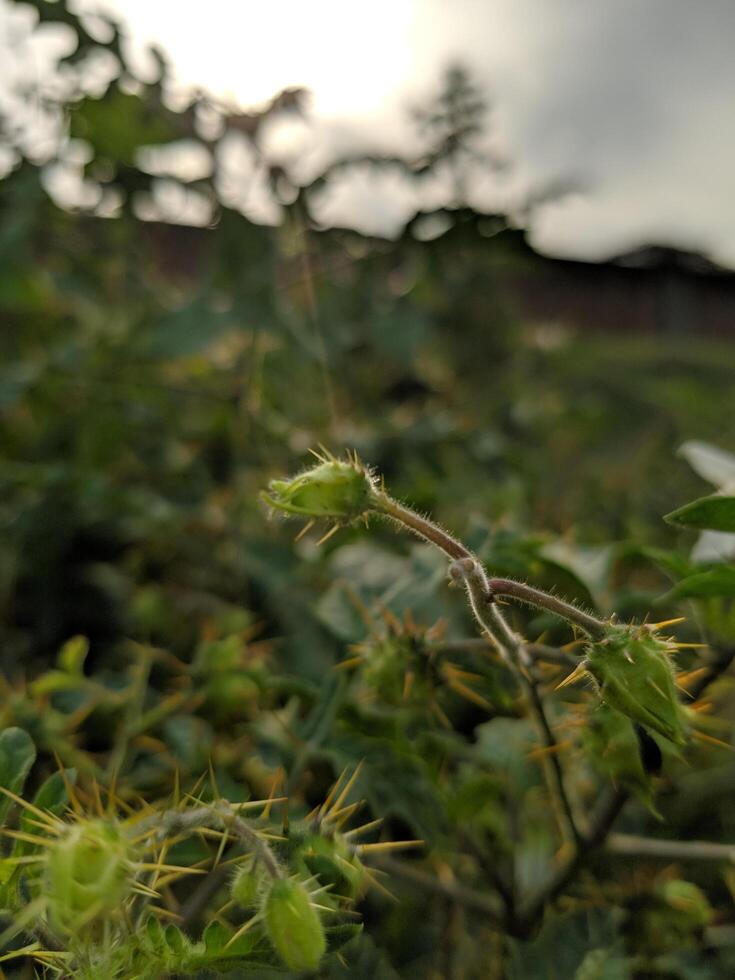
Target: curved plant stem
pixel 466 567
pixel 538 651
pixel 543 600
pixel 422 526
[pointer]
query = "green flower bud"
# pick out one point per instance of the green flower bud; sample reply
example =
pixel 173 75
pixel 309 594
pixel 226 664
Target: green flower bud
pixel 337 489
pixel 633 670
pixel 293 925
pixel 88 874
pixel 246 884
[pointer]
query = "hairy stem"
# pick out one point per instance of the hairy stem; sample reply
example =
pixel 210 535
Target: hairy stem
pixel 220 815
pixel 422 526
pixel 543 600
pixel 520 662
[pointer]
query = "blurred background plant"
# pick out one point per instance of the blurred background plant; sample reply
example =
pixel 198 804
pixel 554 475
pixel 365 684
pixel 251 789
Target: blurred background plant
pixel 156 375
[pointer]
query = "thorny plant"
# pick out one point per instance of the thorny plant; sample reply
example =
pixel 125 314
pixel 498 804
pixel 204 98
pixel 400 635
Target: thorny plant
pixel 93 884
pixel 641 715
pixel 90 886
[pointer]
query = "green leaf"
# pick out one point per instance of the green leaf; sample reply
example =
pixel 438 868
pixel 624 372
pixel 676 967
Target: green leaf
pixel 73 654
pixel 715 513
pixel 718 581
pixel 17 755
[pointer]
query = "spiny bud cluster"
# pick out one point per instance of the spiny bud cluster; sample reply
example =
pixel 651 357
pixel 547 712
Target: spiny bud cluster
pixel 342 490
pixel 88 874
pixel 633 670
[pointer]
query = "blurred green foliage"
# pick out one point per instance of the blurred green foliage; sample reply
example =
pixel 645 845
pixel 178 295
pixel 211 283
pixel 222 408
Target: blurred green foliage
pixel 155 378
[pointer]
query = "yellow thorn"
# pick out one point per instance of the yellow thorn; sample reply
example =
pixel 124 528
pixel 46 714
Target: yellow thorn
pixel 667 622
pixel 703 737
pixel 350 662
pixel 271 797
pixel 330 533
pixel 575 675
pixel 359 831
pixel 350 783
pixel 98 798
pixel 304 530
pixel 50 821
pixel 178 869
pixel 331 794
pixel 469 695
pixel 389 845
pixel 213 781
pixel 370 875
pixel 339 817
pixel 546 750
pixel 140 889
pixel 690 675
pixel 251 804
pixel 655 686
pixel 408 679
pixel 29 838
pixel 243 929
pixel 73 798
pixel 441 715
pixel 572 644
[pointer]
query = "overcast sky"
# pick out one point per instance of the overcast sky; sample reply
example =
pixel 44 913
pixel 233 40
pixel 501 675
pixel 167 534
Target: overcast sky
pixel 630 102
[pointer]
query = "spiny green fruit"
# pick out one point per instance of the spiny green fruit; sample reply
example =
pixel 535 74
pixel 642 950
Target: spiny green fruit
pixel 293 925
pixel 634 672
pixel 88 874
pixel 337 489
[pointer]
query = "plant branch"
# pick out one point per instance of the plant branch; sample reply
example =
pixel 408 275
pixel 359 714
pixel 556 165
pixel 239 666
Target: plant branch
pixel 518 659
pixel 669 850
pixel 461 894
pixel 600 825
pixel 543 600
pixel 422 526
